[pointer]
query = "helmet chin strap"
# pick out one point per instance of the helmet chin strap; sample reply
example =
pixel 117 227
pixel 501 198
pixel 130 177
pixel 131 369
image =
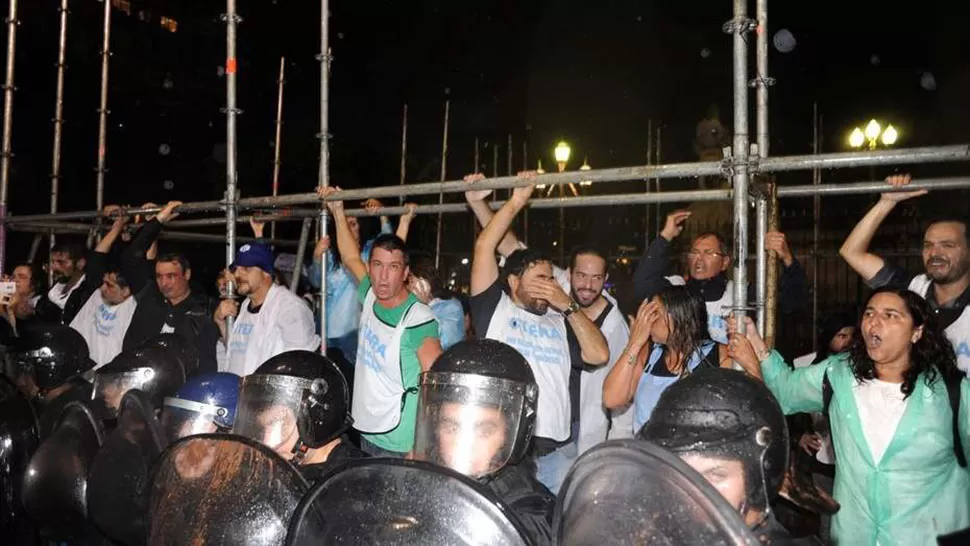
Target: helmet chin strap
pixel 299 452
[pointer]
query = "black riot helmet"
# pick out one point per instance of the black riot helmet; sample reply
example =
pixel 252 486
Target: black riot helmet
pixel 156 371
pixel 183 348
pixel 477 408
pixel 295 401
pixel 725 414
pixel 46 356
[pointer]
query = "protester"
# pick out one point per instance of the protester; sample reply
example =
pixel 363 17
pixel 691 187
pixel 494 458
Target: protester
pixel 585 281
pixel 104 319
pixel 728 427
pixel 669 340
pixel 343 309
pixel 476 415
pixel 708 261
pixel 399 340
pixel 297 404
pixel 526 308
pixel 28 304
pixel 945 282
pixel 426 285
pixel 167 304
pixel 897 405
pixel 271 320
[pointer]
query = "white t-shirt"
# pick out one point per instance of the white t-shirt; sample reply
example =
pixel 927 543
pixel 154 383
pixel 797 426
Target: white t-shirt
pixel 242 331
pixel 881 406
pixel 103 326
pixel 59 296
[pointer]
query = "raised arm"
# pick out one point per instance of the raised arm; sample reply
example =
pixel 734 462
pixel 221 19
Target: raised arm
pixel 349 252
pixel 404 223
pixel 649 277
pixel 855 249
pixel 484 265
pixel 792 286
pixel 483 212
pixel 621 383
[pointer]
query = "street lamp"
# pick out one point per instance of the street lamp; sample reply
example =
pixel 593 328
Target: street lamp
pixel 585 167
pixel 872 135
pixel 562 153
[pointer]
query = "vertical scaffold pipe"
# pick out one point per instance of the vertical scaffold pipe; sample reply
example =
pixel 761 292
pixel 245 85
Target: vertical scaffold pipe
pixel 232 21
pixel 58 128
pixel 323 179
pixel 7 152
pixel 103 112
pixel 738 27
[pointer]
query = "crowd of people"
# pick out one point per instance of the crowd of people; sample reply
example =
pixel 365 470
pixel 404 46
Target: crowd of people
pixel 533 393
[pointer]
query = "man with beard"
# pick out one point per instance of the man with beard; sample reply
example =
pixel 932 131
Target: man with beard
pixel 708 260
pixel 273 320
pixel 515 309
pixel 584 280
pixel 398 339
pixel 168 304
pixel 945 284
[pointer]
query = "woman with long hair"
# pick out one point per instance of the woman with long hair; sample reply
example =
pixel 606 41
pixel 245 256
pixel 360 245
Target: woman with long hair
pixel 669 339
pixel 890 402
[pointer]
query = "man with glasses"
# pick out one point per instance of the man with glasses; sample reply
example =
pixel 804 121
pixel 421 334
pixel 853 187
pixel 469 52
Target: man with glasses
pixel 708 260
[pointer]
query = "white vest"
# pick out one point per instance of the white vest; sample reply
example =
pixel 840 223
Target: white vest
pixel 378 379
pixel 103 326
pixel 717 311
pixel 542 341
pixel 284 323
pixel 958 333
pixel 595 425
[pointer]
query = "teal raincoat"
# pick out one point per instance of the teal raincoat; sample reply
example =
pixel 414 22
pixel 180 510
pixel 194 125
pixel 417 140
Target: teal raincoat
pixel 918 490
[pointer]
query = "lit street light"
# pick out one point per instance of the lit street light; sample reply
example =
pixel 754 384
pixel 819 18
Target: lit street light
pixel 872 135
pixel 562 153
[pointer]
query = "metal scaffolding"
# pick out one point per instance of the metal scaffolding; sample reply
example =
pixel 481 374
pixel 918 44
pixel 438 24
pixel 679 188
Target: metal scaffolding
pixel 742 164
pixel 7 152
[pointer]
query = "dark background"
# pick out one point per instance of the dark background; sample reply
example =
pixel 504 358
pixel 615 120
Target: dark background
pixel 593 73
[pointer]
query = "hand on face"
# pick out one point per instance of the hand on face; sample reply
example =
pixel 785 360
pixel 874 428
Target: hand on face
pixel 547 290
pixel 647 315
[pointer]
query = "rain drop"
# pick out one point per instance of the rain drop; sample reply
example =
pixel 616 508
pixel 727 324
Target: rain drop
pixel 928 81
pixel 784 41
pixel 164 149
pixel 705 53
pixel 874 60
pixel 168 185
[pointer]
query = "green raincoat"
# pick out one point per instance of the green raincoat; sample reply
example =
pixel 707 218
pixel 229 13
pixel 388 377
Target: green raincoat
pixel 918 490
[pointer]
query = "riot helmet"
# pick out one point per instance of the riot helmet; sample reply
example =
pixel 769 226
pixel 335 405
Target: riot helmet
pixel 155 371
pixel 477 408
pixel 117 492
pixel 184 349
pixel 633 492
pixel 400 502
pixel 204 404
pixel 46 356
pixel 295 401
pixel 222 489
pixel 721 415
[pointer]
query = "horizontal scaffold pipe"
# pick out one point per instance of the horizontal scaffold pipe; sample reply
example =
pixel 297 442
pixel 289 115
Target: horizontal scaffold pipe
pixel 932 184
pixel 677 170
pixel 65 227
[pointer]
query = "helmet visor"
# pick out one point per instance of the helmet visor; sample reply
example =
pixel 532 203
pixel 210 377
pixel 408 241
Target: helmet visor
pixel 181 418
pixel 469 423
pixel 110 387
pixel 267 410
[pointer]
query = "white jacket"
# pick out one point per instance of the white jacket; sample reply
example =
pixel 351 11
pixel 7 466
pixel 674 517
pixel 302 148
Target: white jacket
pixel 283 323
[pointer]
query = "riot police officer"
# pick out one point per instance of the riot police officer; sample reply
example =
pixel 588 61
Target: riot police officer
pixel 731 430
pixel 46 362
pixel 298 404
pixel 204 404
pixel 476 415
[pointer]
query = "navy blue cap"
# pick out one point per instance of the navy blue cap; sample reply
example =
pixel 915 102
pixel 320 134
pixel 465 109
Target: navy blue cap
pixel 254 255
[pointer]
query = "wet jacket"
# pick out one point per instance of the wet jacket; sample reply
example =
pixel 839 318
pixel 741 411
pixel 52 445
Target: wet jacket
pixel 533 504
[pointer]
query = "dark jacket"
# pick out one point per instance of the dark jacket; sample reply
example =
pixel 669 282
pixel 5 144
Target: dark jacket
pixel 650 278
pixel 533 504
pixel 191 318
pixel 342 453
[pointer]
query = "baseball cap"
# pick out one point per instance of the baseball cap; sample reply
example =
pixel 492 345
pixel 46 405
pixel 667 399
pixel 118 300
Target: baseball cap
pixel 254 255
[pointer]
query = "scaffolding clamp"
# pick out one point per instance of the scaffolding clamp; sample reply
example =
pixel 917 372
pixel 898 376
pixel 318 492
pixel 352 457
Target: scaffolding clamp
pixel 740 25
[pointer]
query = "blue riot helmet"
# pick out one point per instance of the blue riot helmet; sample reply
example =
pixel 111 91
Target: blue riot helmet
pixel 205 404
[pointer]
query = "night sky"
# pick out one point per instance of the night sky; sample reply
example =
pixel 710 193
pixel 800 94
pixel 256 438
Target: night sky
pixel 593 73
